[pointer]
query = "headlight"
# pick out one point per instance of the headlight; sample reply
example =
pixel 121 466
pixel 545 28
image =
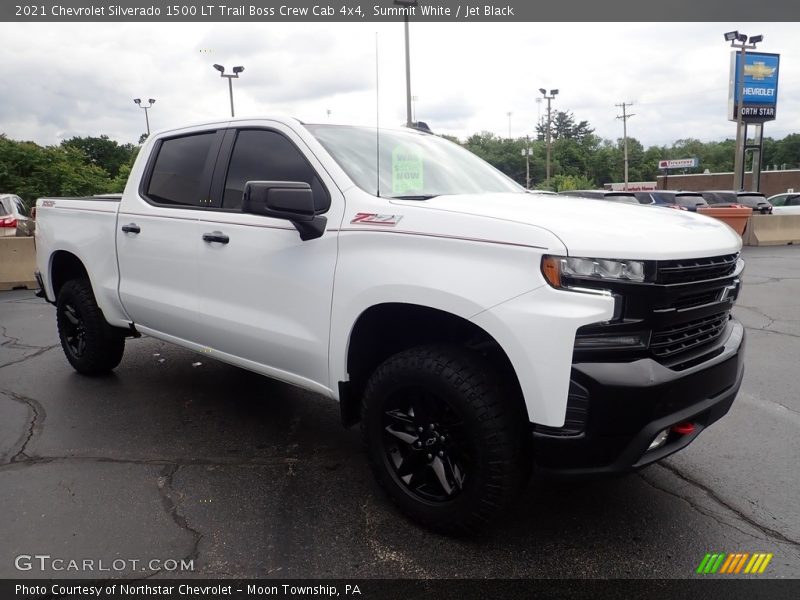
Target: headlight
pixel 556 268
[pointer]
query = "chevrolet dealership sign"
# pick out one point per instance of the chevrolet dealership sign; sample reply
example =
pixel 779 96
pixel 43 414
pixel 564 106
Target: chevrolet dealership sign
pixel 760 87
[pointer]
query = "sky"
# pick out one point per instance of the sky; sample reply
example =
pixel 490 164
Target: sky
pixel 80 79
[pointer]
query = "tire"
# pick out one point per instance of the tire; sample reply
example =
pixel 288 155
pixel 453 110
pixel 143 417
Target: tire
pixel 91 345
pixel 443 441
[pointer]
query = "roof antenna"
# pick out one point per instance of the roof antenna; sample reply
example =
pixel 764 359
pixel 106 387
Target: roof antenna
pixel 377 121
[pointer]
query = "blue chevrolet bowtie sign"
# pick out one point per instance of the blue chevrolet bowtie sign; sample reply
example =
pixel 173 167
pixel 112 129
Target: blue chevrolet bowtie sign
pixel 760 86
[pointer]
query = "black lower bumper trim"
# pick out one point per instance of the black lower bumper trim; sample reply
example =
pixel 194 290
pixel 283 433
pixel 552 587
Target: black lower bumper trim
pixel 630 403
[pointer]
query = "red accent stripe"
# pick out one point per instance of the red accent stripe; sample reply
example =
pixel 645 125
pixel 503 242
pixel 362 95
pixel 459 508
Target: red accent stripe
pixel 448 237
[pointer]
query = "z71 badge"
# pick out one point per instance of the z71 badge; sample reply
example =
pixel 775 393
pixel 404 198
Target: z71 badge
pixel 375 219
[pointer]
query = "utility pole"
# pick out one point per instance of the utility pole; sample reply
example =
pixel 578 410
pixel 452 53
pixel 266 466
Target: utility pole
pixel 409 7
pixel 552 96
pixel 625 116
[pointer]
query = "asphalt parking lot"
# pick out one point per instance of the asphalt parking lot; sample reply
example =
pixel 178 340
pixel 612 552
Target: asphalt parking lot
pixel 175 456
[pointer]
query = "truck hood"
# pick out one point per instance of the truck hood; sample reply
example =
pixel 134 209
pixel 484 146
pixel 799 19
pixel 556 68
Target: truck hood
pixel 597 228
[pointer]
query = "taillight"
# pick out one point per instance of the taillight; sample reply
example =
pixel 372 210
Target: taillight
pixel 8 222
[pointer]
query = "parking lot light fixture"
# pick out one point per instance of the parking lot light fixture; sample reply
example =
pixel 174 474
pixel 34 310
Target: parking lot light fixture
pixel 151 101
pixel 230 78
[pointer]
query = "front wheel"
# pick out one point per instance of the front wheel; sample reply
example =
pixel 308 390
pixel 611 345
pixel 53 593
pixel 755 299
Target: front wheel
pixel 90 344
pixel 441 439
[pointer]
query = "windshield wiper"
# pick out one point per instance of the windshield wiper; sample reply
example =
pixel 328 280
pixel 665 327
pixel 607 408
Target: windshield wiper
pixel 417 197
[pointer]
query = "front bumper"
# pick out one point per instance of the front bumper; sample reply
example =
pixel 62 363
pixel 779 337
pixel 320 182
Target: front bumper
pixel 624 405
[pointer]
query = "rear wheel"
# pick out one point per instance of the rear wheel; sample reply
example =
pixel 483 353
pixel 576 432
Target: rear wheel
pixel 90 344
pixel 441 438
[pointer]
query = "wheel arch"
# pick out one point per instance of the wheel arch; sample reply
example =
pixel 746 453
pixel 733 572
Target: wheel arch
pixel 385 329
pixel 64 266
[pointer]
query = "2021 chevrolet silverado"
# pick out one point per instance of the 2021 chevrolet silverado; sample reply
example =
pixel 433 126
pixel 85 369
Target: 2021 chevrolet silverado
pixel 472 328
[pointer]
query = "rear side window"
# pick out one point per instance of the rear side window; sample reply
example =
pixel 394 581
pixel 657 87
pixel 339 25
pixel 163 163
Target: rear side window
pixel 181 172
pixel 793 201
pixel 261 155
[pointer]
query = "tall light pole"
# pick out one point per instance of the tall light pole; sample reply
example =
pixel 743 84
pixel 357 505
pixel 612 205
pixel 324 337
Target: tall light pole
pixel 625 116
pixel 509 113
pixel 138 102
pixel 526 152
pixel 553 94
pixel 740 42
pixel 230 78
pixel 409 5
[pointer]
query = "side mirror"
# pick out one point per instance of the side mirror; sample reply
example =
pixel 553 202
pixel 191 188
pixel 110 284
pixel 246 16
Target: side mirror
pixel 289 200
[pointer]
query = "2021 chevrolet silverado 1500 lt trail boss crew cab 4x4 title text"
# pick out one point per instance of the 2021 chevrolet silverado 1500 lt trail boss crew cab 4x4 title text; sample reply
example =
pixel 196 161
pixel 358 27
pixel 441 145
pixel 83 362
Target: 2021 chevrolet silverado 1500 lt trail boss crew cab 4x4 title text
pixel 472 328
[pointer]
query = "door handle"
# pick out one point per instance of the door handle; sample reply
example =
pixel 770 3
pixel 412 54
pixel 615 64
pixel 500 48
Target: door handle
pixel 216 236
pixel 131 228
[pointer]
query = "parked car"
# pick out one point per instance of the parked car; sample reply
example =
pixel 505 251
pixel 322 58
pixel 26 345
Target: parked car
pixel 673 199
pixel 470 330
pixel 611 196
pixel 14 218
pixel 755 200
pixel 785 204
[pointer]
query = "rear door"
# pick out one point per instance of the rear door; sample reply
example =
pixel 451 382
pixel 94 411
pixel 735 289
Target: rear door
pixel 265 295
pixel 790 205
pixel 158 236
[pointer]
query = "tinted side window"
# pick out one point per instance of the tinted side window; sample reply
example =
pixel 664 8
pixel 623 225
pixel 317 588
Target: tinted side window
pixel 260 155
pixel 180 171
pixel 793 201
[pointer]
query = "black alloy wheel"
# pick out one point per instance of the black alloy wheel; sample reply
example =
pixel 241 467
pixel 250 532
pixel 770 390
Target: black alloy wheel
pixel 443 439
pixel 424 444
pixel 74 331
pixel 90 344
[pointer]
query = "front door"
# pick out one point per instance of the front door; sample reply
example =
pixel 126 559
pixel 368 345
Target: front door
pixel 265 295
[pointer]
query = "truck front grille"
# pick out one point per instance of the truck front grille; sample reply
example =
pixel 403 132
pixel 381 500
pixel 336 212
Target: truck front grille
pixel 672 341
pixel 695 269
pixel 683 307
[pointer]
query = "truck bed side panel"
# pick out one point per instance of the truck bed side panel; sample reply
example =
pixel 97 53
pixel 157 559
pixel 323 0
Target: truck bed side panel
pixel 85 227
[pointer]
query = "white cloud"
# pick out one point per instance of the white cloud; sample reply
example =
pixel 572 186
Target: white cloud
pixel 80 79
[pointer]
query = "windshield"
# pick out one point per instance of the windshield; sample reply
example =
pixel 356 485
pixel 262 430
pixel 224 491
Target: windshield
pixel 412 165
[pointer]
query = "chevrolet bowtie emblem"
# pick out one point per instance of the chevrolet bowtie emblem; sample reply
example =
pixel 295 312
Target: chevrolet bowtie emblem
pixel 758 70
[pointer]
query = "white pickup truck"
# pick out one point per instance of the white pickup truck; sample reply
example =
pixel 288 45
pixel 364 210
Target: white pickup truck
pixel 474 329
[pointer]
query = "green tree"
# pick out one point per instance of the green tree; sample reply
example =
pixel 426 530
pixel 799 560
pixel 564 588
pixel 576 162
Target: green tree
pixel 102 152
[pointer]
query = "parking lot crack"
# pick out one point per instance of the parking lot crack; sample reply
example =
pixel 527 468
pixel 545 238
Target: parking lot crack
pixel 39 350
pixel 171 499
pixel 766 531
pixel 34 423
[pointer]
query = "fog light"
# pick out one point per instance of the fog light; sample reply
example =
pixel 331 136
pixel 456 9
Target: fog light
pixel 606 341
pixel 659 440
